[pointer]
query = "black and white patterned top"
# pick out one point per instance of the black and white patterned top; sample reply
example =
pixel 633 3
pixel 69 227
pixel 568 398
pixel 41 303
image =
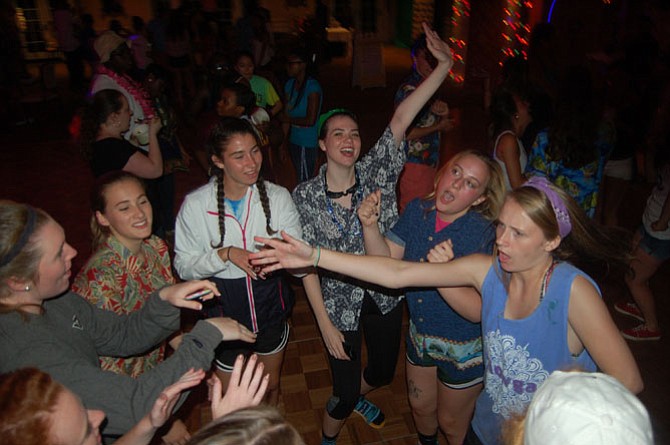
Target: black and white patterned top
pixel 326 223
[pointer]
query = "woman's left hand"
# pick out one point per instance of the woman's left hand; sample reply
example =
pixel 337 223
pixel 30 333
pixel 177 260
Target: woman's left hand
pixel 166 401
pixel 437 47
pixel 155 125
pixel 441 253
pixel 176 294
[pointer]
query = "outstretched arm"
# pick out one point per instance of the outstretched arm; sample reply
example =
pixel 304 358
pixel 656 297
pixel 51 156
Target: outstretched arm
pixel 391 273
pixel 408 109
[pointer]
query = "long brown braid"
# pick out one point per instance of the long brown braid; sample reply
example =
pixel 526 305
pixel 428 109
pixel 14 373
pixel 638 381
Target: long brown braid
pixel 217 142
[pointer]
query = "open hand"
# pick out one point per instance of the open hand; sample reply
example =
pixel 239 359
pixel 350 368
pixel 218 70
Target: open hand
pixel 244 390
pixel 231 329
pixel 288 254
pixel 437 47
pixel 162 409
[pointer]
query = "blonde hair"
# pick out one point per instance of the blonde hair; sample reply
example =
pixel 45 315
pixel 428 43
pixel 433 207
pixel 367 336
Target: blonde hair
pixel 495 184
pixel 260 425
pixel 587 243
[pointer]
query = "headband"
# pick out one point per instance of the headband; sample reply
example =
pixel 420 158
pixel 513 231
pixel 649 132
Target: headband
pixel 557 204
pixel 328 114
pixel 28 230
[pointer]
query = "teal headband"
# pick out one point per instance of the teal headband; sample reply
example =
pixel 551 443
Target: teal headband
pixel 328 114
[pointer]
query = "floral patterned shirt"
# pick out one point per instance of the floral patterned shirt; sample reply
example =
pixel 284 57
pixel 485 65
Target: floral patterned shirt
pixel 116 280
pixel 424 150
pixel 328 224
pixel 581 183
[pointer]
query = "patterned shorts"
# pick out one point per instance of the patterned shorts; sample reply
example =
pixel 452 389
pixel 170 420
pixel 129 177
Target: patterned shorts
pixel 459 363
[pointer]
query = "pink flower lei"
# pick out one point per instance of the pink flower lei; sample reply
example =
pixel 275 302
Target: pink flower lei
pixel 133 88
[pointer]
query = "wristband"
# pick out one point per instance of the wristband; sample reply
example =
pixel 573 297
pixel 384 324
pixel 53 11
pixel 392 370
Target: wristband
pixel 318 256
pixel 228 253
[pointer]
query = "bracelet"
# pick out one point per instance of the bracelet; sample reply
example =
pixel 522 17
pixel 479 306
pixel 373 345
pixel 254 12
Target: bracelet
pixel 228 253
pixel 318 256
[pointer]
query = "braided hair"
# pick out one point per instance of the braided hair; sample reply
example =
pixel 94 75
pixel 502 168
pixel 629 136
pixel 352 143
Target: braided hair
pixel 217 142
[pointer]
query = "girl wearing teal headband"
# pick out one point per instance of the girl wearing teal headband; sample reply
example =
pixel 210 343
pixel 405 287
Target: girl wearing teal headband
pixel 327 205
pixel 539 313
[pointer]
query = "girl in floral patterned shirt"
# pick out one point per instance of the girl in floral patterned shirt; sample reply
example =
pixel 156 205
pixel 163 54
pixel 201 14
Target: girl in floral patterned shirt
pixel 128 263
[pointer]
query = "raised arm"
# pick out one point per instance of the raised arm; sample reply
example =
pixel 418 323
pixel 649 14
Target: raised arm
pixel 391 273
pixel 408 109
pixel 592 325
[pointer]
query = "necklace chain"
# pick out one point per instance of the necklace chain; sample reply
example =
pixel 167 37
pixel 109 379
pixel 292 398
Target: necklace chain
pixel 546 278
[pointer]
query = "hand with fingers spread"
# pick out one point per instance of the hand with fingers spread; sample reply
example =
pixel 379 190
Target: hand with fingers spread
pixel 162 409
pixel 175 294
pixel 368 211
pixel 441 253
pixel 244 390
pixel 287 254
pixel 231 329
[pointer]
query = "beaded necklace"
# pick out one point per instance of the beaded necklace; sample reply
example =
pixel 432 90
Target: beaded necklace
pixel 133 88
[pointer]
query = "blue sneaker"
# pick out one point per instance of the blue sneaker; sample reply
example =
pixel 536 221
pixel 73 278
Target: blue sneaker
pixel 370 412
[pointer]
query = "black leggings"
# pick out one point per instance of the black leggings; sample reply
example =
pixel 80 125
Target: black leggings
pixel 382 338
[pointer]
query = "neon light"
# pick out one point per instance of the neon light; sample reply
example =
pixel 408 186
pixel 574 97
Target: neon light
pixel 551 11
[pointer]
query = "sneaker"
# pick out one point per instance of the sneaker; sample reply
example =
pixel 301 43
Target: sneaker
pixel 629 309
pixel 370 412
pixel 641 333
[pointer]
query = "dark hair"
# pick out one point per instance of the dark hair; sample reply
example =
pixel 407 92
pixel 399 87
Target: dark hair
pixel 99 201
pixel 574 132
pixel 244 96
pixel 503 110
pixel 103 103
pixel 240 54
pixel 138 23
pixel 217 142
pixel 310 70
pixel 323 131
pixel 28 398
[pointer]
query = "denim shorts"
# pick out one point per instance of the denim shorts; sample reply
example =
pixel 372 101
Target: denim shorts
pixel 658 248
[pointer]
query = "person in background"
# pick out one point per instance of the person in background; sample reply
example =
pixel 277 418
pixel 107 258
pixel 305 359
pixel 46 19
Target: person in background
pixel 175 157
pixel 65 23
pixel 113 72
pixel 140 47
pixel 651 249
pixel 105 122
pixel 572 151
pixel 266 95
pixel 509 118
pixel 423 137
pixel 304 98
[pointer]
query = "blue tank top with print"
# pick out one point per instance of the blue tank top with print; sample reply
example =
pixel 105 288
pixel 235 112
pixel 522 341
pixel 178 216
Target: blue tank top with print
pixel 519 355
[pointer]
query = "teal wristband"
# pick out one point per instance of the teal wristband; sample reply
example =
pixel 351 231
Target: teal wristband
pixel 318 256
